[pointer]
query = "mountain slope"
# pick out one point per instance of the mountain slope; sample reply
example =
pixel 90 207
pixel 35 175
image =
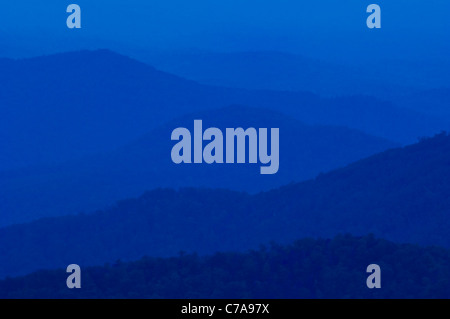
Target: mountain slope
pixel 401 194
pixel 434 102
pixel 271 70
pixel 97 181
pixel 283 71
pixel 65 106
pixel 306 269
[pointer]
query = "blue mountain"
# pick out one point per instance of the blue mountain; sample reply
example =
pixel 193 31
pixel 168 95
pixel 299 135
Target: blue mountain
pixel 272 70
pixel 144 164
pixel 65 106
pixel 308 268
pixel 400 194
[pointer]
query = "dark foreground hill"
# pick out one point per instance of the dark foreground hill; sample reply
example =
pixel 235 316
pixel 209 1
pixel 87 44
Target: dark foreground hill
pixel 306 269
pixel 402 195
pixel 97 181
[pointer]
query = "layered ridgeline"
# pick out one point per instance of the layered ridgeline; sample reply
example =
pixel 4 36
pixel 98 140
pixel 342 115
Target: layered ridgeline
pixel 399 81
pixel 306 269
pixel 60 107
pixel 434 101
pixel 285 71
pixel 271 70
pixel 401 194
pixel 145 164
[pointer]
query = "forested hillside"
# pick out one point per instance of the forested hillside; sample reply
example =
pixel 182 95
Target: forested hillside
pixel 145 163
pixel 401 195
pixel 306 269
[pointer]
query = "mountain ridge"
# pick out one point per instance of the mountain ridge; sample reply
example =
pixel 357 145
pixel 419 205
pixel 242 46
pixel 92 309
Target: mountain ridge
pixel 61 107
pixel 145 163
pixel 307 268
pixel 401 195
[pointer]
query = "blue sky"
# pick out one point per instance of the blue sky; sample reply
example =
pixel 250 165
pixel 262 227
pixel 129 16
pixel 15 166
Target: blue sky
pixel 323 28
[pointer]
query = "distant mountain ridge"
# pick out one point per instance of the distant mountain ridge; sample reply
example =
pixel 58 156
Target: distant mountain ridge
pixel 434 101
pixel 402 195
pixel 272 70
pixel 281 71
pixel 66 106
pixel 99 180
